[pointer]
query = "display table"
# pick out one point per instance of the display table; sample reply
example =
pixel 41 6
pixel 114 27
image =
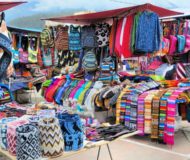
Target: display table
pixel 88 145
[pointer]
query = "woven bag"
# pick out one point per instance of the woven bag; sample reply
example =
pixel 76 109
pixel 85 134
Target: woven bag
pixel 51 139
pixel 3 131
pixel 62 39
pixel 28 144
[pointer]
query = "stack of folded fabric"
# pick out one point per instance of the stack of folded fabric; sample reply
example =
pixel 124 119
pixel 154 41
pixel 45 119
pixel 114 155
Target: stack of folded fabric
pixel 155 114
pixel 148 110
pixel 141 109
pixel 162 114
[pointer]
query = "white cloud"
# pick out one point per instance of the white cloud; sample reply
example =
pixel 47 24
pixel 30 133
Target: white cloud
pixel 46 5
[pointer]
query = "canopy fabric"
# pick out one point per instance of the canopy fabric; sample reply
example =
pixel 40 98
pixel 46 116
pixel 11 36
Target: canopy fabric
pixel 116 13
pixel 7 5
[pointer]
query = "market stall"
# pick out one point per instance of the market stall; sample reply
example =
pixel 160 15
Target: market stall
pixel 124 67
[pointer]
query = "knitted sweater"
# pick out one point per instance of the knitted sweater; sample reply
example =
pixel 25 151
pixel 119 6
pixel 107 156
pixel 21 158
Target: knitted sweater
pixel 148 33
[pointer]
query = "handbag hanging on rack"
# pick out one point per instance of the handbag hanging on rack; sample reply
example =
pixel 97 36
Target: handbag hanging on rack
pixel 32 54
pixel 23 57
pixel 47 57
pixel 15 50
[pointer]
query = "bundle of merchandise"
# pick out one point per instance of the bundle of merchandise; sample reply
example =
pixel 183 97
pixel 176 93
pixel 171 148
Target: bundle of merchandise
pixel 152 110
pixel 44 136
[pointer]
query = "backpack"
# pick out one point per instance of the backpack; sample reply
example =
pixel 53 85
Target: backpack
pixel 47 38
pixel 89 61
pixel 102 34
pixel 74 39
pixel 88 38
pixel 32 54
pixel 62 40
pixel 15 51
pixel 47 57
pixel 23 54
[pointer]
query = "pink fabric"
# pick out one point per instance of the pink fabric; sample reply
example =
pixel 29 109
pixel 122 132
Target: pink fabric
pixel 72 94
pixel 117 39
pixel 173 44
pixel 49 94
pixel 187 45
pixel 166 45
pixel 154 65
pixel 126 48
pixel 11 134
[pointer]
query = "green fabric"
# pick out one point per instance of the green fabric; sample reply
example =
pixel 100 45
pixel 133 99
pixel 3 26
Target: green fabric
pixel 157 78
pixel 133 36
pixel 47 83
pixel 82 94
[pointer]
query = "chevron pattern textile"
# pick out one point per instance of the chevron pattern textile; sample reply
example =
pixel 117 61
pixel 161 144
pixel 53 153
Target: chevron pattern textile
pixel 51 139
pixel 28 144
pixel 3 131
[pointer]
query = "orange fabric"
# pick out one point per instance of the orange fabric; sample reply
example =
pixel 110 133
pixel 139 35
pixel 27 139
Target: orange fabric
pixel 111 38
pixel 14 41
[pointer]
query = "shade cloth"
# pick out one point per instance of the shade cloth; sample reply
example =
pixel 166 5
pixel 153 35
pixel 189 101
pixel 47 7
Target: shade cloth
pixel 116 13
pixel 7 5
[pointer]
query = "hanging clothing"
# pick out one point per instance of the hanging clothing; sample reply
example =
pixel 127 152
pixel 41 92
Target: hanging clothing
pixel 125 47
pixel 112 37
pixel 117 38
pixel 148 33
pixel 122 30
pixel 133 36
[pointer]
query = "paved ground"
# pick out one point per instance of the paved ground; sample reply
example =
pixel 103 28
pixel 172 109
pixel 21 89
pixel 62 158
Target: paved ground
pixel 136 149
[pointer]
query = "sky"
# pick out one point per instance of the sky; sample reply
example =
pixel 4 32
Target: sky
pixel 38 6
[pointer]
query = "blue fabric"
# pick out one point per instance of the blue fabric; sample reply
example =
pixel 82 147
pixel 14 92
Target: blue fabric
pixel 161 70
pixel 74 39
pixel 59 94
pixel 5 60
pixel 148 33
pixel 18 85
pixel 7 88
pixel 77 94
pixel 72 131
pixel 80 60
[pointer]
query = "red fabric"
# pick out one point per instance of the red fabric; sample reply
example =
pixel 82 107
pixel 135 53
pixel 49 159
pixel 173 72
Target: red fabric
pixel 125 48
pixel 7 5
pixel 99 16
pixel 117 39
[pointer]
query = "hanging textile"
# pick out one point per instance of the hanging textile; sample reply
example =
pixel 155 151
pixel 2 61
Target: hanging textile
pixel 148 33
pixel 125 46
pixel 112 37
pixel 133 36
pixel 181 72
pixel 117 38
